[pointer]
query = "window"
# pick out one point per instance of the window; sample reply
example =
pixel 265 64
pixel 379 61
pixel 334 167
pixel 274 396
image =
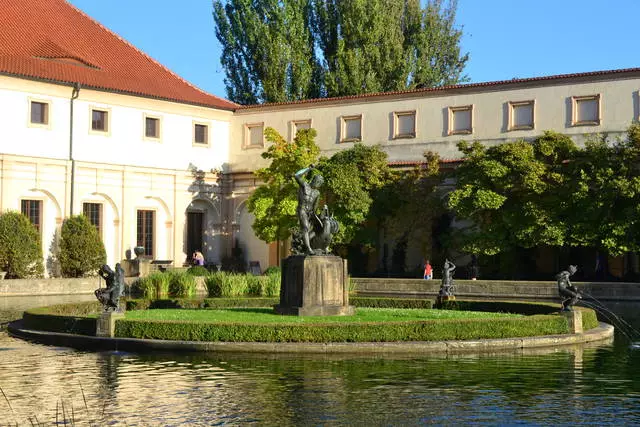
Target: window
pixel 99 120
pixel 93 211
pixel 404 124
pixel 39 113
pixel 585 110
pixel 200 134
pixel 521 115
pixel 297 125
pixel 144 231
pixel 351 128
pixel 461 120
pixel 254 135
pixel 151 127
pixel 33 210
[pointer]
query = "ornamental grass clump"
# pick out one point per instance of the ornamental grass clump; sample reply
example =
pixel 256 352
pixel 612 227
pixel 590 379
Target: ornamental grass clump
pixel 181 285
pixel 221 284
pixel 154 286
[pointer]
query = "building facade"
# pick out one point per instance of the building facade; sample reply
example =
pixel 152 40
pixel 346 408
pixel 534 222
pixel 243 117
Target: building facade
pixel 155 162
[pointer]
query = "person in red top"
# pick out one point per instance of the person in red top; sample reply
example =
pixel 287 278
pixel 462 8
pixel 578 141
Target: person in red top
pixel 428 271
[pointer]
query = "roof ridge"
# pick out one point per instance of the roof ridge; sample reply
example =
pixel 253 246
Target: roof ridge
pixel 123 40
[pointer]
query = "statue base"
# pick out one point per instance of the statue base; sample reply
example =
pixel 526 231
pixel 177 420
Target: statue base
pixel 314 286
pixel 106 323
pixel 574 317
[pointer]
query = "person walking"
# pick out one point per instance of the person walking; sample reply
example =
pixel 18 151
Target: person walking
pixel 428 270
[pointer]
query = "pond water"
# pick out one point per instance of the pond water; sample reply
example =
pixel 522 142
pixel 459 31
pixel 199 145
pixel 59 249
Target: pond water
pixel 596 385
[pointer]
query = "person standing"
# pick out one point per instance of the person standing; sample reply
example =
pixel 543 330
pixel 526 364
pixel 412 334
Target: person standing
pixel 428 270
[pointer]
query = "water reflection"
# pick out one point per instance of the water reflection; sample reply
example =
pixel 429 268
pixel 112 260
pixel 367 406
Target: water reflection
pixel 589 384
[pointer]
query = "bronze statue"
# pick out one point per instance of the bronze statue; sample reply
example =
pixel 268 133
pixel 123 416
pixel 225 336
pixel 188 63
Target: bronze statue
pixel 568 292
pixel 446 289
pixel 316 231
pixel 109 297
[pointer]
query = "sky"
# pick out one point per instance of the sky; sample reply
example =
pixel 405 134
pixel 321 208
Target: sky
pixel 505 39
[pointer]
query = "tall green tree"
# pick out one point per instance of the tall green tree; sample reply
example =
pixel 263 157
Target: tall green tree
pixel 274 203
pixel 267 50
pixel 20 247
pixel 282 50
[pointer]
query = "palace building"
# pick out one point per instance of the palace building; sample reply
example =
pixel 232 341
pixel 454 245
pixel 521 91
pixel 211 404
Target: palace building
pixel 92 125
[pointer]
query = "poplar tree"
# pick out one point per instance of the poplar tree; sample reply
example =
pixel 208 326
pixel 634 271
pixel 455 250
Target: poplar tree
pixel 283 50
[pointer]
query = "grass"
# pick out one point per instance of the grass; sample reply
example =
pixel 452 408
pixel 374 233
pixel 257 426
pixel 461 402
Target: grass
pixel 267 315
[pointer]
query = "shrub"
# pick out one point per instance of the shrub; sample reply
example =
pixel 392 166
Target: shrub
pixel 272 285
pixel 221 284
pixel 272 270
pixel 181 285
pixel 255 285
pixel 154 286
pixel 81 249
pixel 198 270
pixel 20 247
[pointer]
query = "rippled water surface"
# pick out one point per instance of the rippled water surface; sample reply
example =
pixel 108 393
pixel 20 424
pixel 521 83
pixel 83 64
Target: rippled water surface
pixel 593 385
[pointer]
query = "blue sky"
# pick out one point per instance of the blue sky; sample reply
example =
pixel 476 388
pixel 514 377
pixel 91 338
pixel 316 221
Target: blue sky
pixel 505 38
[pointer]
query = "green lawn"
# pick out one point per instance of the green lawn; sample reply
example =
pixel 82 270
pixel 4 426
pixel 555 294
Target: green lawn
pixel 267 315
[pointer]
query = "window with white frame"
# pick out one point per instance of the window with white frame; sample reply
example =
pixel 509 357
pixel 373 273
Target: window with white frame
pixel 351 128
pixel 100 120
pixel 38 113
pixel 404 124
pixel 460 120
pixel 254 135
pixel 33 210
pixel 200 134
pixel 586 110
pixel 297 125
pixel 151 127
pixel 521 115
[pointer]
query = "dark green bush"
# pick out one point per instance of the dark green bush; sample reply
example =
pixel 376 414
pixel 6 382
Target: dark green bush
pixel 272 270
pixel 181 285
pixel 81 248
pixel 20 247
pixel 198 270
pixel 375 302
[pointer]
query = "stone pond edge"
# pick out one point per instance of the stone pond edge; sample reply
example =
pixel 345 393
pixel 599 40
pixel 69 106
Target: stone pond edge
pixel 601 333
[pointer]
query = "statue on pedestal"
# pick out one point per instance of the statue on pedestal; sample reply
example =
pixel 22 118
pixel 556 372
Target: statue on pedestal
pixel 316 231
pixel 109 297
pixel 446 289
pixel 569 293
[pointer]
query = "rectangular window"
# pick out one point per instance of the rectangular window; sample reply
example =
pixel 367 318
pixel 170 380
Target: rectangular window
pixel 200 134
pixel 461 120
pixel 586 110
pixel 297 125
pixel 33 210
pixel 521 115
pixel 145 228
pixel 39 113
pixel 151 127
pixel 351 129
pixel 99 120
pixel 404 124
pixel 254 135
pixel 93 211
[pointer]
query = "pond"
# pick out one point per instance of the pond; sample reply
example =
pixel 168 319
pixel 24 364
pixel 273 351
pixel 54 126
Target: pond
pixel 585 384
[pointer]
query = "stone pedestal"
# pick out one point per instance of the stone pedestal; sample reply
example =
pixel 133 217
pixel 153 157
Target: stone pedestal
pixel 139 267
pixel 314 286
pixel 575 321
pixel 106 323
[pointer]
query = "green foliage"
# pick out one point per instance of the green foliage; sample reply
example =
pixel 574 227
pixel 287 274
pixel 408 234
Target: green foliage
pixel 272 270
pixel 206 303
pixel 20 247
pixel 221 284
pixel 274 203
pixel 299 49
pixel 181 284
pixel 81 249
pixel 198 271
pixel 377 302
pixel 153 286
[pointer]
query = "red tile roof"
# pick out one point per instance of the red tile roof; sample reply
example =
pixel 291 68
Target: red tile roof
pixel 417 92
pixel 52 40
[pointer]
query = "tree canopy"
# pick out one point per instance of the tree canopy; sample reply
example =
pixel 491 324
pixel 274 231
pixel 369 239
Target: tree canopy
pixel 283 50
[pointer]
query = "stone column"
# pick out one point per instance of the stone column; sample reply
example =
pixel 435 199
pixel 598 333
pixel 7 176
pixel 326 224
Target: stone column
pixel 106 323
pixel 575 321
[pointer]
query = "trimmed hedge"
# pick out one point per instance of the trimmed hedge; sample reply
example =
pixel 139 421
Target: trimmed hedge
pixel 345 332
pixel 66 318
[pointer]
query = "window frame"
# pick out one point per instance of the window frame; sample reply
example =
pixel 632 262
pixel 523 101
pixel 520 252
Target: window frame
pixel 107 111
pixel 47 122
pixel 574 110
pixel 455 109
pixel 40 203
pixel 396 123
pixel 247 135
pixel 153 232
pixel 100 226
pixel 158 119
pixel 207 127
pixel 343 127
pixel 512 106
pixel 293 127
